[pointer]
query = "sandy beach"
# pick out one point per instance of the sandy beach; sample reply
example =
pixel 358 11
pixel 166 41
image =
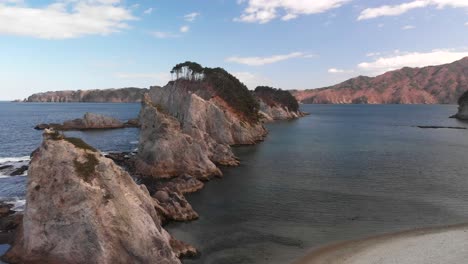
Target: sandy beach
pixel 448 245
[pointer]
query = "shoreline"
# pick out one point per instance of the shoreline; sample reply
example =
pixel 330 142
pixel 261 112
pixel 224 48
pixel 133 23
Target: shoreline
pixel 443 244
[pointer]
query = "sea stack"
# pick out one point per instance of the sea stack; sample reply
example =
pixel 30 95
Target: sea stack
pixel 83 208
pixel 196 119
pixel 276 104
pixel 462 107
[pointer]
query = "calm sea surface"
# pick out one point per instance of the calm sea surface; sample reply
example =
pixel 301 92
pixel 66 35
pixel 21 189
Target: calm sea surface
pixel 344 172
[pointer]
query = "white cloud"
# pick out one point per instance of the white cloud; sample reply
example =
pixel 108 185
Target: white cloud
pixel 408 27
pixel 11 1
pixel 191 17
pixel 335 70
pixel 64 19
pixel 263 11
pixel 259 61
pixel 184 29
pixel 148 11
pixel 372 54
pixel 414 59
pixel 167 35
pixel 252 80
pixel 466 24
pixel 164 35
pixel 396 10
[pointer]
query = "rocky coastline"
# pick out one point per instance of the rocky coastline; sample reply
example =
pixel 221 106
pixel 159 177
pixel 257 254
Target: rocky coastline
pixel 462 107
pixel 122 95
pixel 187 129
pixel 88 122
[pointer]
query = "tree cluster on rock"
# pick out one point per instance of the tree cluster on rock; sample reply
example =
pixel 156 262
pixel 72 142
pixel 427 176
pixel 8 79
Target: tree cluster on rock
pixel 224 84
pixel 273 96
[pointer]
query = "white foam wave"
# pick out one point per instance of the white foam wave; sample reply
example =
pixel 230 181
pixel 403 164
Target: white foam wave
pixel 14 159
pixel 134 142
pixel 18 203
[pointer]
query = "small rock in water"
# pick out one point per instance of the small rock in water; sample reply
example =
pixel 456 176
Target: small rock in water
pixel 19 171
pixel 6 167
pixel 436 127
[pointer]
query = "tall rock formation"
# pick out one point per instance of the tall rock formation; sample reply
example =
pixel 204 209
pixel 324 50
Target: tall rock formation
pixel 165 151
pixel 276 104
pixel 82 208
pixel 196 119
pixel 123 95
pixel 441 84
pixel 462 107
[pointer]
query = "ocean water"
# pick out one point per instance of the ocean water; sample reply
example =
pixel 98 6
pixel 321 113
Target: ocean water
pixel 344 172
pixel 18 137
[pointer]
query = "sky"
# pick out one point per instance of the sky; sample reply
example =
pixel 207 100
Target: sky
pixel 48 45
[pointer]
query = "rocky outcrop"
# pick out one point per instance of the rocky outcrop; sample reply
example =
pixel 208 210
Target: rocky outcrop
pixel 441 84
pixel 462 107
pixel 165 151
pixel 82 208
pixel 11 170
pixel 195 128
pixel 123 95
pixel 276 104
pixel 168 194
pixel 9 222
pixel 275 112
pixel 90 121
pixel 206 116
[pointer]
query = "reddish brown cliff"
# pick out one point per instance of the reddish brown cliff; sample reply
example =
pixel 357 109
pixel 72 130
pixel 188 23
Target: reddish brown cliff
pixel 442 84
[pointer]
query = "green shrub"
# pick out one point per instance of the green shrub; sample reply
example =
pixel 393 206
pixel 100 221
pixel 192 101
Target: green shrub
pixel 225 85
pixel 79 143
pixel 277 96
pixel 86 169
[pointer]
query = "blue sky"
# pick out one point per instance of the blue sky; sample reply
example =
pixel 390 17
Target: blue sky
pixel 292 44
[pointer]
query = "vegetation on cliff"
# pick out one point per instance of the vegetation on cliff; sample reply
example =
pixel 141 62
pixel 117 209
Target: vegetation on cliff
pixel 273 96
pixel 224 85
pixel 441 84
pixel 463 98
pixel 123 95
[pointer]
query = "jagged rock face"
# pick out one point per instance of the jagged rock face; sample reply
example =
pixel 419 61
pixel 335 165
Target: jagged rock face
pixel 165 151
pixel 124 95
pixel 276 112
pixel 203 115
pixel 441 84
pixel 186 129
pixel 90 121
pixel 82 208
pixel 463 107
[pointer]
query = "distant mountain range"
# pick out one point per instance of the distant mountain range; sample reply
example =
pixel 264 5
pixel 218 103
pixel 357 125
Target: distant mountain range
pixel 442 84
pixel 122 95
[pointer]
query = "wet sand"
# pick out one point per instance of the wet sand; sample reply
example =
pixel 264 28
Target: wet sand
pixel 448 245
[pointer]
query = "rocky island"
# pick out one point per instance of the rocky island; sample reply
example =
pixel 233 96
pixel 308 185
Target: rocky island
pixel 462 107
pixel 88 122
pixel 123 95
